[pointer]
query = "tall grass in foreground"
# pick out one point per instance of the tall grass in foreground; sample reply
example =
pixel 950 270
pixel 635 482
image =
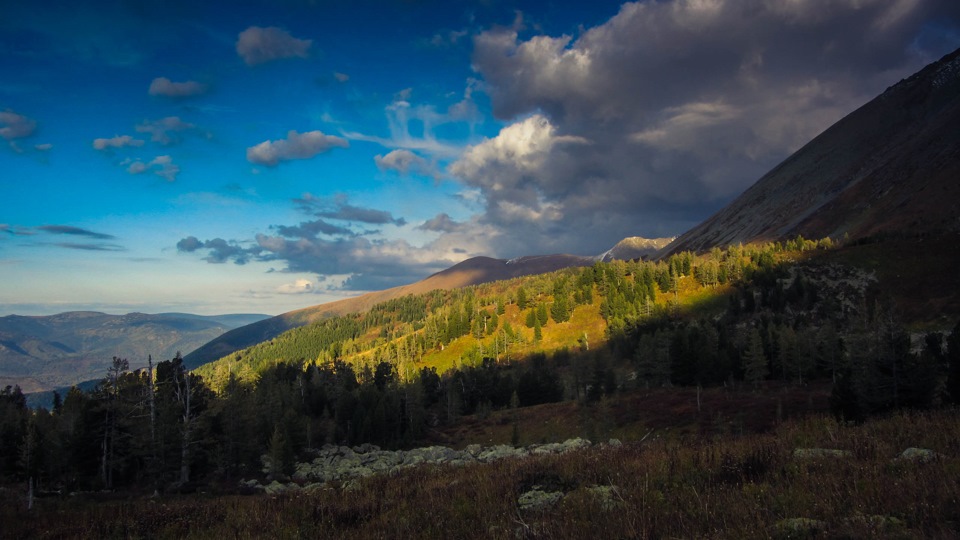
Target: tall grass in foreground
pixel 733 487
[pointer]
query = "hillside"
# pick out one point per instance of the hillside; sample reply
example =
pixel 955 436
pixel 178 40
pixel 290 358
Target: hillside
pixel 890 168
pixel 472 271
pixel 635 247
pixel 43 353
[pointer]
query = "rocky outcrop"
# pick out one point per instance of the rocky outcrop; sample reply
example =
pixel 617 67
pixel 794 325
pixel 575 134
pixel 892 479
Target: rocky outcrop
pixel 343 463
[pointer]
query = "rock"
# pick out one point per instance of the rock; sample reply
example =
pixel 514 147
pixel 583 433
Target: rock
pixel 474 449
pixel 535 499
pixel 275 488
pixel 798 527
pixel 813 453
pixel 500 451
pixel 575 444
pixel 615 442
pixel 920 455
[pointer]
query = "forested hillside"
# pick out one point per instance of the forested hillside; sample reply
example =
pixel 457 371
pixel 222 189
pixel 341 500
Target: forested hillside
pixel 740 317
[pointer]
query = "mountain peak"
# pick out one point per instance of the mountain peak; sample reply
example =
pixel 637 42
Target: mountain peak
pixel 634 247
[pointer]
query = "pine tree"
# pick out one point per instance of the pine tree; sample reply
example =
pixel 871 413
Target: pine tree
pixel 754 360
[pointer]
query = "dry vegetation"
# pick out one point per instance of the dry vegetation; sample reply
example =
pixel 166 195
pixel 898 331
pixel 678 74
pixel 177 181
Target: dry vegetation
pixel 696 487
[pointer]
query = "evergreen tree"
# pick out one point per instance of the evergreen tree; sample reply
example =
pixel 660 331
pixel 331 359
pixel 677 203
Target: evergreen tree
pixel 953 365
pixel 754 359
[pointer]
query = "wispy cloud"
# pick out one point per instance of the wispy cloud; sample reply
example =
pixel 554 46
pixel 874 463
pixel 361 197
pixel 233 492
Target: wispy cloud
pixel 74 231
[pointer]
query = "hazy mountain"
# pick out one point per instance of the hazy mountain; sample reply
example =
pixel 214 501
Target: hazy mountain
pixel 43 353
pixel 469 272
pixel 890 168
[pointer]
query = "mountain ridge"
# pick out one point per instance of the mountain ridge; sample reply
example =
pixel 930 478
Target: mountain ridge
pixel 888 168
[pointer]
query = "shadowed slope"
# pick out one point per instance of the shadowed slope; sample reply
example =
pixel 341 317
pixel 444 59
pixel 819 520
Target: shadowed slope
pixel 892 167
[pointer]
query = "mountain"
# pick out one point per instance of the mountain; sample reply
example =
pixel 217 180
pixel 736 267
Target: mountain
pixel 43 353
pixel 472 271
pixel 888 169
pixel 635 247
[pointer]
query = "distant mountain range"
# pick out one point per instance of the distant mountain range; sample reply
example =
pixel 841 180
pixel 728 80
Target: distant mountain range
pixel 890 168
pixel 43 353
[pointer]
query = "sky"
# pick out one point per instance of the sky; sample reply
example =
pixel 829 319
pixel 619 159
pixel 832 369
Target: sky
pixel 258 157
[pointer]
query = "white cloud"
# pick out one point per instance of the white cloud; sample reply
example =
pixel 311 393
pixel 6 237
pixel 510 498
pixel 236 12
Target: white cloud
pixel 16 126
pixel 257 45
pixel 300 286
pixel 117 141
pixel 406 162
pixel 295 146
pixel 162 86
pixel 341 77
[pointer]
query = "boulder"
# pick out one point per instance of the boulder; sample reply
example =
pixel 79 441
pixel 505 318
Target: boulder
pixel 535 499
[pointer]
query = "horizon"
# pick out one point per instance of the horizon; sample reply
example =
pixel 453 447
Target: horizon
pixel 166 157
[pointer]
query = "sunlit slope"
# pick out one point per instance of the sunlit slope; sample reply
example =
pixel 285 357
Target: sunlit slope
pixel 470 272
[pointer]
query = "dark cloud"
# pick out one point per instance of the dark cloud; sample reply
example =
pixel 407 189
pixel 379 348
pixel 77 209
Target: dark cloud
pixel 162 86
pixel 310 229
pixel 219 250
pixel 257 45
pixel 648 123
pixel 339 208
pixel 74 231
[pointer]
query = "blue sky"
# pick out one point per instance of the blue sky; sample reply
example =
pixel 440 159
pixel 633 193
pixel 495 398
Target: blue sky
pixel 216 157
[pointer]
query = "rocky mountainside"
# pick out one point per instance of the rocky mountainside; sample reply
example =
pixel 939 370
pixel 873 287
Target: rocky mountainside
pixel 472 271
pixel 890 168
pixel 43 353
pixel 635 247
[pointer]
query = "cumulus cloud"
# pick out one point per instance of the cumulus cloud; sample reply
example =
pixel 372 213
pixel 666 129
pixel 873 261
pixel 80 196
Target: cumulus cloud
pixel 295 146
pixel 257 45
pixel 300 286
pixel 117 141
pixel 649 122
pixel 165 131
pixel 406 162
pixel 162 86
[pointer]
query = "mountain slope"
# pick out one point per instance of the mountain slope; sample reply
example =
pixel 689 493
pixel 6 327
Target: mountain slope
pixel 635 247
pixel 472 271
pixel 42 353
pixel 889 168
